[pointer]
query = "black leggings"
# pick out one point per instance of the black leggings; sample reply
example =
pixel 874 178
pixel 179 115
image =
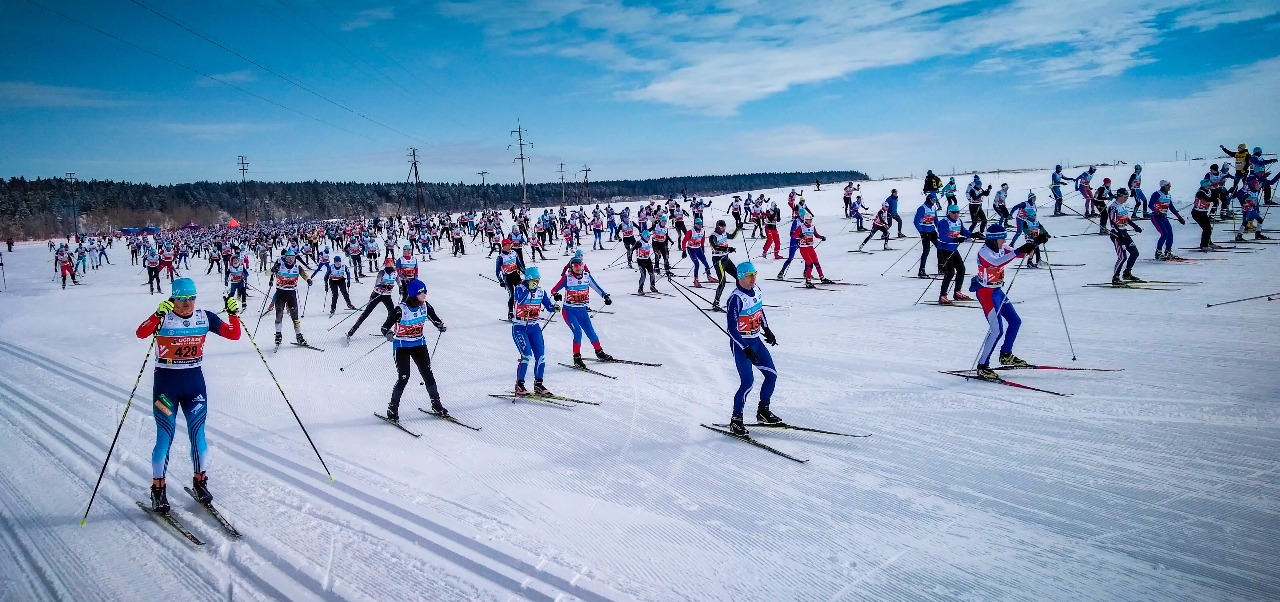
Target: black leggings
pixel 952 265
pixel 976 214
pixel 927 240
pixel 374 300
pixel 287 298
pixel 420 357
pixel 1206 227
pixel 724 270
pixel 336 285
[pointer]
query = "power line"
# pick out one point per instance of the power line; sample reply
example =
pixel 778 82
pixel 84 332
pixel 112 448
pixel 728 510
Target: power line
pixel 522 158
pixel 273 72
pixel 196 71
pixel 335 41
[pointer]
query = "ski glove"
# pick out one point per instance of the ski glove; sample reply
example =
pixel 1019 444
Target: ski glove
pixel 1137 227
pixel 555 307
pixel 440 326
pixel 556 296
pixel 822 237
pixel 165 307
pixel 684 254
pixel 751 354
pixel 233 306
pixel 1182 221
pixel 607 300
pixel 769 338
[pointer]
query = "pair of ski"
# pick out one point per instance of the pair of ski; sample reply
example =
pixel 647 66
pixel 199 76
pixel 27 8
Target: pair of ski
pixel 723 429
pixel 445 417
pixel 653 294
pixel 303 345
pixel 182 529
pixel 973 375
pixel 1147 285
pixel 613 361
pixel 555 400
pixel 872 250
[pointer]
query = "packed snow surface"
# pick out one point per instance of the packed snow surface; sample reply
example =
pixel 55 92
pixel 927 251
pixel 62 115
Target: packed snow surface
pixel 1158 482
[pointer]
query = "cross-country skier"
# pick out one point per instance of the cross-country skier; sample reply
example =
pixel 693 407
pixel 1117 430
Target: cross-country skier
pixel 287 271
pixel 720 251
pixel 1056 180
pixel 807 232
pixel 384 283
pixel 234 279
pixel 508 270
pixel 180 329
pixel 746 322
pixel 798 214
pixel 879 223
pixel 1135 189
pixel 926 215
pixel 1201 206
pixel 338 274
pixel 989 285
pixel 951 232
pixel 526 332
pixel 1084 184
pixel 406 268
pixel 577 283
pixel 693 246
pixel 644 259
pixel 404 329
pixel 1126 250
pixel 1160 205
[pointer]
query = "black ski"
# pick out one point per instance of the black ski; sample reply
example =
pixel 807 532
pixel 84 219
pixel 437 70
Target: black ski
pixel 307 346
pixel 792 427
pixel 618 361
pixel 515 398
pixel 1038 367
pixel 973 375
pixel 1131 285
pixel 650 295
pixel 748 439
pixel 587 370
pixel 450 418
pixel 172 522
pixel 396 423
pixel 222 520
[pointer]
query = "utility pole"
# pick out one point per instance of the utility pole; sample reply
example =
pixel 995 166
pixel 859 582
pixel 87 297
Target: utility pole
pixel 75 203
pixel 244 166
pixel 562 183
pixel 524 187
pixel 417 181
pixel 586 183
pixel 484 192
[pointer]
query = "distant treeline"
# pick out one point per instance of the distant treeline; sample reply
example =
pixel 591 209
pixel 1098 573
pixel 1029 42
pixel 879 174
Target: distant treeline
pixel 43 208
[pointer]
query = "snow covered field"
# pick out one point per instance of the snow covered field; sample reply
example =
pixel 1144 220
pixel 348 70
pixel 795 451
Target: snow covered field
pixel 1156 483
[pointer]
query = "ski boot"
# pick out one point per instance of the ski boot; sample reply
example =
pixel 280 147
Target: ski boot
pixel 921 274
pixel 640 291
pixel 159 498
pixel 1260 236
pixel 511 316
pixel 985 372
pixel 959 296
pixel 1012 361
pixel 764 416
pixel 809 284
pixel 901 235
pixel 696 284
pixel 716 307
pixel 1116 281
pixel 653 289
pixel 541 390
pixel 200 488
pixel 1129 277
pixel 577 361
pixel 604 357
pixel 349 306
pixel 302 341
pixel 438 408
pixel 860 247
pixel 781 275
pixel 520 390
pixel 825 280
pixel 393 413
pixel 944 300
pixel 736 427
pixel 1239 237
pixel 279 338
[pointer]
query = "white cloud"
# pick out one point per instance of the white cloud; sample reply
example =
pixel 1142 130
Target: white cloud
pixel 232 77
pixel 715 56
pixel 219 130
pixel 369 18
pixel 29 94
pixel 1239 102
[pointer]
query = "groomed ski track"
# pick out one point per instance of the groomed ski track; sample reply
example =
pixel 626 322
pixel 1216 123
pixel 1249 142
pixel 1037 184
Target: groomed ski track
pixel 1156 483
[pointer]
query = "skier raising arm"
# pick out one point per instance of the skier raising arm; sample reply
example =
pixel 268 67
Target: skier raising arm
pixel 180 328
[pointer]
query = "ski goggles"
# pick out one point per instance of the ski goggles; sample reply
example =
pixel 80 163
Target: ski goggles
pixel 183 297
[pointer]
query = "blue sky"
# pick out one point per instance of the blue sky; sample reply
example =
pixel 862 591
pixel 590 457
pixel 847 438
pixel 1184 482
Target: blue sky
pixel 340 90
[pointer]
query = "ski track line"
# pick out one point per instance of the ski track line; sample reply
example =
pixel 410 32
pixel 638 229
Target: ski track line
pixel 425 530
pixel 161 535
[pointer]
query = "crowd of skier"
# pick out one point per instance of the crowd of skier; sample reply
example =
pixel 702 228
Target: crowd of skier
pixel 276 259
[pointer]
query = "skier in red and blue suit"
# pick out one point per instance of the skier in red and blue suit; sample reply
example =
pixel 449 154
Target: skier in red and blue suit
pixel 577 283
pixel 179 328
pixel 526 332
pixel 746 323
pixel 989 285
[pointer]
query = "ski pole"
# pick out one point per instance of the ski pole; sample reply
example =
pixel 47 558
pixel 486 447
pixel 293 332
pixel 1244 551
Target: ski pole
pixel 127 404
pixel 375 348
pixel 286 401
pixel 486 278
pixel 1059 297
pixel 348 316
pixel 263 311
pixel 305 298
pixel 437 345
pixel 704 314
pixel 904 255
pixel 1244 299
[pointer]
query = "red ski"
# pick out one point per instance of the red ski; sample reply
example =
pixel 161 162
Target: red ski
pixel 973 375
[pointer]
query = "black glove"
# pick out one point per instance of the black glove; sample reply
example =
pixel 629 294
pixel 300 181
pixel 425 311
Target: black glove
pixel 769 338
pixel 751 354
pixel 733 249
pixel 386 332
pixel 502 284
pixel 1182 221
pixel 1026 248
pixel 555 307
pixel 440 326
pixel 683 253
pixel 556 296
pixel 1137 228
pixel 822 237
pixel 607 300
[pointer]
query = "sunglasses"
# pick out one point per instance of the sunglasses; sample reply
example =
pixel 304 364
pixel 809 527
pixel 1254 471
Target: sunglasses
pixel 184 297
pixel 747 275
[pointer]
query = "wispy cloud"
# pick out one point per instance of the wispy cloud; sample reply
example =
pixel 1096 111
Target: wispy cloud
pixel 232 77
pixel 1215 109
pixel 28 94
pixel 369 18
pixel 714 56
pixel 219 130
